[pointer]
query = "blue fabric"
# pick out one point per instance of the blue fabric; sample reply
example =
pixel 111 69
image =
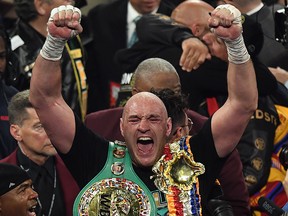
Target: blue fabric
pixel 134 37
pixel 285 207
pixel 7 142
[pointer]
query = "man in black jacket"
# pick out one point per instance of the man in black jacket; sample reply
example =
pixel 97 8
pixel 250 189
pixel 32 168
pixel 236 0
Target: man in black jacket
pixel 158 38
pixel 137 119
pixel 112 26
pixel 27 38
pixel 7 142
pixel 208 80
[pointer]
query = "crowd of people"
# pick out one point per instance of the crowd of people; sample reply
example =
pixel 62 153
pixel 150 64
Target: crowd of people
pixel 166 107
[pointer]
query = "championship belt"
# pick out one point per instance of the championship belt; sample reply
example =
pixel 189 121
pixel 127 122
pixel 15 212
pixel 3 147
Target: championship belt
pixel 177 176
pixel 116 190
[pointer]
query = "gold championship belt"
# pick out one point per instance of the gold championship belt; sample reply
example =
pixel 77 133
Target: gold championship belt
pixel 116 190
pixel 176 175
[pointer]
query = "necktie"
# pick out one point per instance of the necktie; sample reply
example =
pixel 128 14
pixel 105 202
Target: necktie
pixel 134 37
pixel 45 190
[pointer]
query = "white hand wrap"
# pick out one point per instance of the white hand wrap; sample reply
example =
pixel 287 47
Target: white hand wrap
pixel 237 51
pixel 233 10
pixel 66 8
pixel 53 46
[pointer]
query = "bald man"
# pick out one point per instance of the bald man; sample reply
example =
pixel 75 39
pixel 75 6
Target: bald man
pixel 155 74
pixel 208 80
pixel 145 126
pixel 157 39
pixel 264 15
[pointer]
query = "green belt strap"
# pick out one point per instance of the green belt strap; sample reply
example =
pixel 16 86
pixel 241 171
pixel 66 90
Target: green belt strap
pixel 106 176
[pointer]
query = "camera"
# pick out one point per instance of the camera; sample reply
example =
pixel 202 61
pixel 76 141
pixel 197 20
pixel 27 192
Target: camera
pixel 283 156
pixel 217 207
pixel 281 26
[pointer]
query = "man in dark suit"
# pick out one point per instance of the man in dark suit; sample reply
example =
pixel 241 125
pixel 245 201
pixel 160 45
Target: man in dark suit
pixel 156 79
pixel 112 26
pixel 208 80
pixel 264 15
pixel 36 155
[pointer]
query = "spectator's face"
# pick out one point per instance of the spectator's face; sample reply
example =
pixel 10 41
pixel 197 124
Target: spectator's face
pixel 216 45
pixel 33 138
pixel 195 16
pixel 20 201
pixel 2 55
pixel 145 6
pixel 181 129
pixel 145 127
pixel 158 82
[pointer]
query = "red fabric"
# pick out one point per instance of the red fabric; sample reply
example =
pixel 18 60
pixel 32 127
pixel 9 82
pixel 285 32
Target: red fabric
pixel 106 123
pixel 212 105
pixel 4 118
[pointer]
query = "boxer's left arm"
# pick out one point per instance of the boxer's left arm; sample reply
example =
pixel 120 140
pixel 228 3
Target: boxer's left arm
pixel 230 121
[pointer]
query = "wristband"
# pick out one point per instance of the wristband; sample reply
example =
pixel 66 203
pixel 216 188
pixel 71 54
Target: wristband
pixel 237 51
pixel 53 48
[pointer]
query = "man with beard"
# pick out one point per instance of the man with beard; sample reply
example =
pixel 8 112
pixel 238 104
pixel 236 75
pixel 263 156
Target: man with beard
pixel 145 126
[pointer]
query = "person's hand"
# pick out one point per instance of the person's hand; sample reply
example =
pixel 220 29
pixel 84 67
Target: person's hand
pixel 280 74
pixel 195 52
pixel 216 46
pixel 225 21
pixel 64 22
